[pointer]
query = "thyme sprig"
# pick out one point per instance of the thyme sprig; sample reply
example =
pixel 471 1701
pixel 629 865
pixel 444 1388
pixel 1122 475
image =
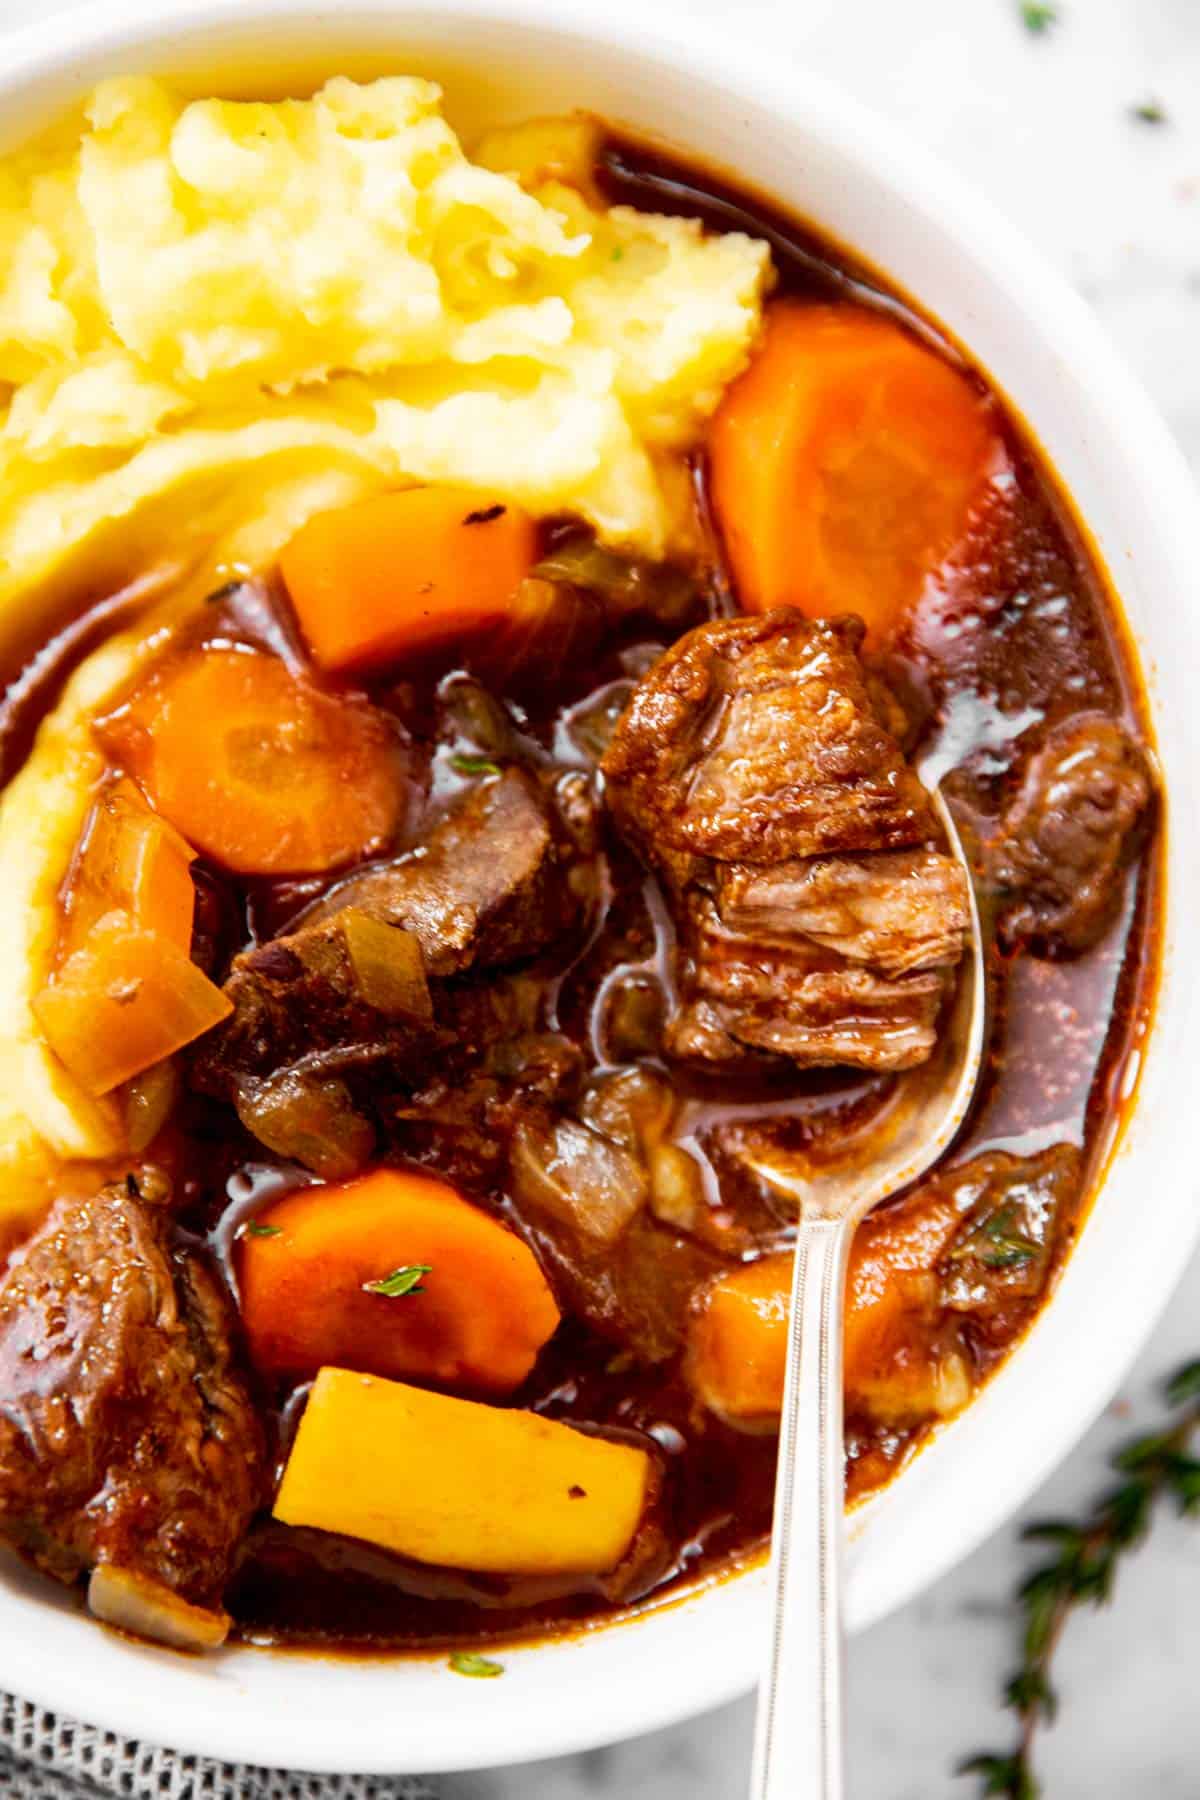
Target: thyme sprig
pixel 1080 1570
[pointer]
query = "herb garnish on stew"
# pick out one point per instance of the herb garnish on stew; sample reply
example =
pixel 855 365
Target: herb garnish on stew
pixel 400 1282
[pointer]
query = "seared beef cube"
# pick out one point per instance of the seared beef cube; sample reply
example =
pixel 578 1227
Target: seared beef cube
pixel 784 995
pixel 299 996
pixel 899 910
pixel 756 739
pixel 489 887
pixel 378 975
pixel 756 769
pixel 1014 1210
pixel 128 1440
pixel 638 1292
pixel 1065 842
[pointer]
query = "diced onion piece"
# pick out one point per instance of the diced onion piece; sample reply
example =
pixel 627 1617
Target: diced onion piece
pixel 460 1485
pixel 676 1190
pixel 628 586
pixel 129 860
pixel 147 1103
pixel 632 1106
pixel 124 1001
pixel 310 1119
pixel 148 1609
pixel 569 1172
pixel 389 970
pixel 952 1385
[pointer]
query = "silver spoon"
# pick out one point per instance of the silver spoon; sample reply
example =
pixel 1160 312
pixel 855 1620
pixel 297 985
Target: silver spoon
pixel 798 1747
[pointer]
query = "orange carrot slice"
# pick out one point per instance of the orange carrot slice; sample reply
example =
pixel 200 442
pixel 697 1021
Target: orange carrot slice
pixel 405 572
pixel 844 464
pixel 125 1000
pixel 258 769
pixel 394 1274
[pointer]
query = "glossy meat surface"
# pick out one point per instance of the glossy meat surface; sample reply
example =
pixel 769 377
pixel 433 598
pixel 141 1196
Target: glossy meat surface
pixel 756 739
pixel 782 993
pixel 495 882
pixel 1066 840
pixel 485 888
pixel 127 1433
pixel 753 769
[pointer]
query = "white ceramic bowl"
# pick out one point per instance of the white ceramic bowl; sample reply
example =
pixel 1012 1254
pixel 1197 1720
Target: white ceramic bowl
pixel 765 118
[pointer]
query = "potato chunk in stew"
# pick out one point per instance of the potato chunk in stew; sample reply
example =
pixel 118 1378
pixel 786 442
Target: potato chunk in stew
pixel 467 1486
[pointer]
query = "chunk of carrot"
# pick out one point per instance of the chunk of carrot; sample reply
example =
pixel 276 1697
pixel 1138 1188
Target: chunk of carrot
pixel 128 860
pixel 895 1369
pixel 473 1312
pixel 405 572
pixel 737 1348
pixel 125 1000
pixel 464 1486
pixel 257 768
pixel 844 463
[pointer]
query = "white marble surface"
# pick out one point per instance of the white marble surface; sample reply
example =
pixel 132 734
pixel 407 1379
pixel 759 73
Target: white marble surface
pixel 1043 125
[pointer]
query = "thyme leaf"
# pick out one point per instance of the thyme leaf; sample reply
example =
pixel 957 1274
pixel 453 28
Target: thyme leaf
pixel 480 1668
pixel 400 1282
pixel 997 1242
pixel 474 765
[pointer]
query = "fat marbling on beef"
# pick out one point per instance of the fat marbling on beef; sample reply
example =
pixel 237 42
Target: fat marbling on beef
pixel 756 768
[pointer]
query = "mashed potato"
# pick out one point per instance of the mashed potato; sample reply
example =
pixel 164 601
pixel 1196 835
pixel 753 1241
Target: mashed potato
pixel 199 295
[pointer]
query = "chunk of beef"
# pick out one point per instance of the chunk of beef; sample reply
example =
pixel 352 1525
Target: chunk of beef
pixel 463 1124
pixel 756 769
pixel 784 995
pixel 488 887
pixel 297 998
pixel 1066 840
pixel 497 882
pixel 1012 1210
pixel 756 739
pixel 637 1292
pixel 942 1280
pixel 128 1439
pixel 897 911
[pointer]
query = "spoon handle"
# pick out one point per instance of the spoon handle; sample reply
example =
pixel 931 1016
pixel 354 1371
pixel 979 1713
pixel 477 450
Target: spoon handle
pixel 798 1738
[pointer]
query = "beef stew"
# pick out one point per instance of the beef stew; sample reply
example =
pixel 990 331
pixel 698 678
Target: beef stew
pixel 512 947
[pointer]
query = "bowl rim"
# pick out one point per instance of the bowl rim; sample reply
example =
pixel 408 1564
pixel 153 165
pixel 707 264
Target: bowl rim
pixel 201 1715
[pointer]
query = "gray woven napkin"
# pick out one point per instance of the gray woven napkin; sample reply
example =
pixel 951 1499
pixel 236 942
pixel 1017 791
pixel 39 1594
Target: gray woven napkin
pixel 43 1757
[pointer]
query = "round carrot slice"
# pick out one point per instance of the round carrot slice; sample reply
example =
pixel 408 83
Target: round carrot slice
pixel 258 769
pixel 845 462
pixel 393 1274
